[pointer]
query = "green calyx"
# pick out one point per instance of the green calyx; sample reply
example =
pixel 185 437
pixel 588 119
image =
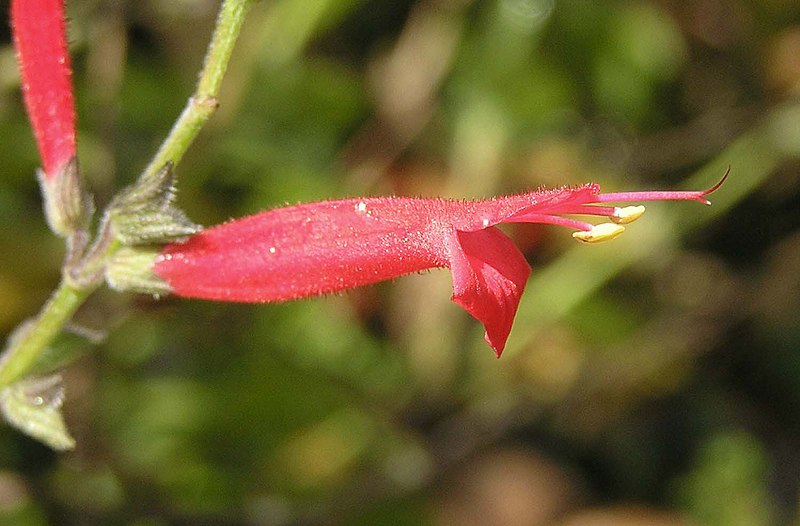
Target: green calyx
pixel 145 213
pixel 141 219
pixel 68 207
pixel 130 270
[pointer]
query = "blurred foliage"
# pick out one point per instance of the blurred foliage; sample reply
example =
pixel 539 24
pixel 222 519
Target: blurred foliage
pixel 653 380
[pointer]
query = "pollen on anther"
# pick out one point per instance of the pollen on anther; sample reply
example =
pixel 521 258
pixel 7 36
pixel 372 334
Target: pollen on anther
pixel 272 250
pixel 361 206
pixel 598 233
pixel 626 214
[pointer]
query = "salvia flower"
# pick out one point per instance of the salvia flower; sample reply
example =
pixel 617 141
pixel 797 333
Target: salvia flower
pixel 41 43
pixel 321 248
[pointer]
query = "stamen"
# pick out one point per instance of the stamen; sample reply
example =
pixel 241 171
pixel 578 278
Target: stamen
pixel 547 219
pixel 580 209
pixel 598 233
pixel 627 214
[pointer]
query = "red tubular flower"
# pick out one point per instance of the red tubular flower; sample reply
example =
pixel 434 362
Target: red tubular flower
pixel 320 248
pixel 41 44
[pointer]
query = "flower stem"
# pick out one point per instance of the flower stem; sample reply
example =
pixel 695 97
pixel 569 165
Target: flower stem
pixel 27 344
pixel 203 103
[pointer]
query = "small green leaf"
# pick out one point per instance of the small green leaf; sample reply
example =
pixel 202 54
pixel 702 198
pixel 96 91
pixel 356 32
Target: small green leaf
pixel 33 406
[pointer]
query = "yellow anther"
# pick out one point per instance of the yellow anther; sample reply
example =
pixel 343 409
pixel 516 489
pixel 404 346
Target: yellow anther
pixel 626 214
pixel 601 232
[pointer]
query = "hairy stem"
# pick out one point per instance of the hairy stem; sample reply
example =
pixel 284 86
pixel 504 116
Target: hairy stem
pixel 27 344
pixel 203 103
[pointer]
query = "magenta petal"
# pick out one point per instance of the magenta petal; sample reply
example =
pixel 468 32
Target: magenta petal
pixel 489 276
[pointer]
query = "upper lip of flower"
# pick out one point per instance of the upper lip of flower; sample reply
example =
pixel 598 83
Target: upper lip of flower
pixel 319 248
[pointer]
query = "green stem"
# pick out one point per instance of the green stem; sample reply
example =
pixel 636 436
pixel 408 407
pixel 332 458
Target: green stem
pixel 26 345
pixel 203 103
pixel 29 342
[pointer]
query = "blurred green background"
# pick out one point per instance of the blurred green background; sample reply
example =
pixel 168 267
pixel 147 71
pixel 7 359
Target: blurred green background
pixel 652 380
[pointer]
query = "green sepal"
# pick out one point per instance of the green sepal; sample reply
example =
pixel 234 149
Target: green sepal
pixel 130 269
pixel 145 213
pixel 148 226
pixel 67 206
pixel 33 406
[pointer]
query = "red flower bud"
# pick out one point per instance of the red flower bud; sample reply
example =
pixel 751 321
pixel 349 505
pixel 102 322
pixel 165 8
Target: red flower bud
pixel 41 44
pixel 320 248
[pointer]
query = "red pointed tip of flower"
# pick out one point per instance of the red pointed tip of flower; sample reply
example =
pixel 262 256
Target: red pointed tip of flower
pixel 40 40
